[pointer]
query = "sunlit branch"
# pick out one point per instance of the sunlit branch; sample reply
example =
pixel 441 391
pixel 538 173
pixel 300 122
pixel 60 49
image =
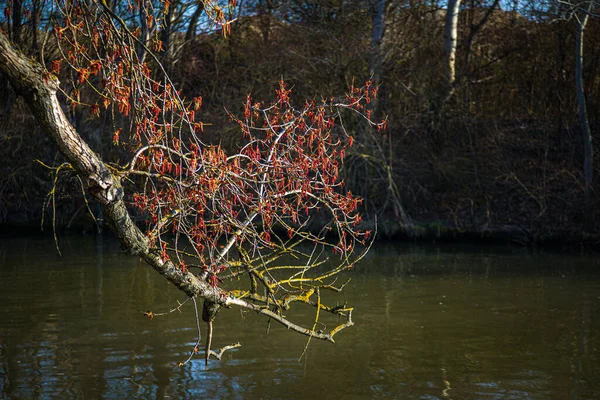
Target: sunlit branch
pixel 154 146
pixel 295 327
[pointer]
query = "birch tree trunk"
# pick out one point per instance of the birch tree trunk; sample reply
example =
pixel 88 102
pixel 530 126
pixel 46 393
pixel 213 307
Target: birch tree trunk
pixel 450 41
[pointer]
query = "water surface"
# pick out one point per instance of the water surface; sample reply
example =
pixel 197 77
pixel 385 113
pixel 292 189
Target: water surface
pixel 431 323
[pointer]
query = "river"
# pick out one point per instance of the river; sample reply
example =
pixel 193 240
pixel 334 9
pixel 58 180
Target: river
pixel 432 322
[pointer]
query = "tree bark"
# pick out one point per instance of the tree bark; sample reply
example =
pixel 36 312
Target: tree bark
pixel 450 41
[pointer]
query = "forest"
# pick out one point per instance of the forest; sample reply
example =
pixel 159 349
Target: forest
pixel 490 107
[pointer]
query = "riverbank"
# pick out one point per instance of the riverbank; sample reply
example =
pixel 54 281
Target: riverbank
pixel 506 234
pixel 390 231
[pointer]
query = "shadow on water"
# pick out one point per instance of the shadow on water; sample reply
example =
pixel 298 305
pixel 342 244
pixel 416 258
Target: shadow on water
pixel 431 322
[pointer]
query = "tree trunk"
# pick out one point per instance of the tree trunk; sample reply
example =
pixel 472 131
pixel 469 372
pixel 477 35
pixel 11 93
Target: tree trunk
pixel 584 125
pixel 191 31
pixel 450 40
pixel 167 37
pixel 145 32
pixel 474 30
pixel 376 39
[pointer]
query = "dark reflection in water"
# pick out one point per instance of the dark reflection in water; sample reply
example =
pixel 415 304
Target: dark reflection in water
pixel 432 322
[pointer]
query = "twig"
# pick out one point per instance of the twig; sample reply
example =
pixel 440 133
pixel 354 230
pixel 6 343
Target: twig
pixel 223 350
pixel 195 350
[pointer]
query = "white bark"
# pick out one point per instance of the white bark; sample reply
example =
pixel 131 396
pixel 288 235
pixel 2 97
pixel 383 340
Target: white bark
pixel 450 41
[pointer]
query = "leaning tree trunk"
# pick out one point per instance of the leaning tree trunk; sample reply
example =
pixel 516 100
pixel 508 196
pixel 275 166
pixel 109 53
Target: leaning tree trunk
pixel 584 125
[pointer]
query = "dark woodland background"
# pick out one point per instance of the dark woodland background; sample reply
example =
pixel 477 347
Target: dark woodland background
pixel 502 159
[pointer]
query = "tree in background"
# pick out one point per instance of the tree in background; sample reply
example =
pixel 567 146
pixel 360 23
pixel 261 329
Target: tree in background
pixel 231 229
pixel 450 43
pixel 506 153
pixel 581 14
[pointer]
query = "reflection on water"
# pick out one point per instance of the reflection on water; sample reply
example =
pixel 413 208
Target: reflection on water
pixel 431 322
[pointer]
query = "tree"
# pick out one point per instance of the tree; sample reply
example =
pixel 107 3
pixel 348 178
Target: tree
pixel 450 42
pixel 582 16
pixel 475 28
pixel 376 39
pixel 239 221
pixel 385 161
pixel 580 12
